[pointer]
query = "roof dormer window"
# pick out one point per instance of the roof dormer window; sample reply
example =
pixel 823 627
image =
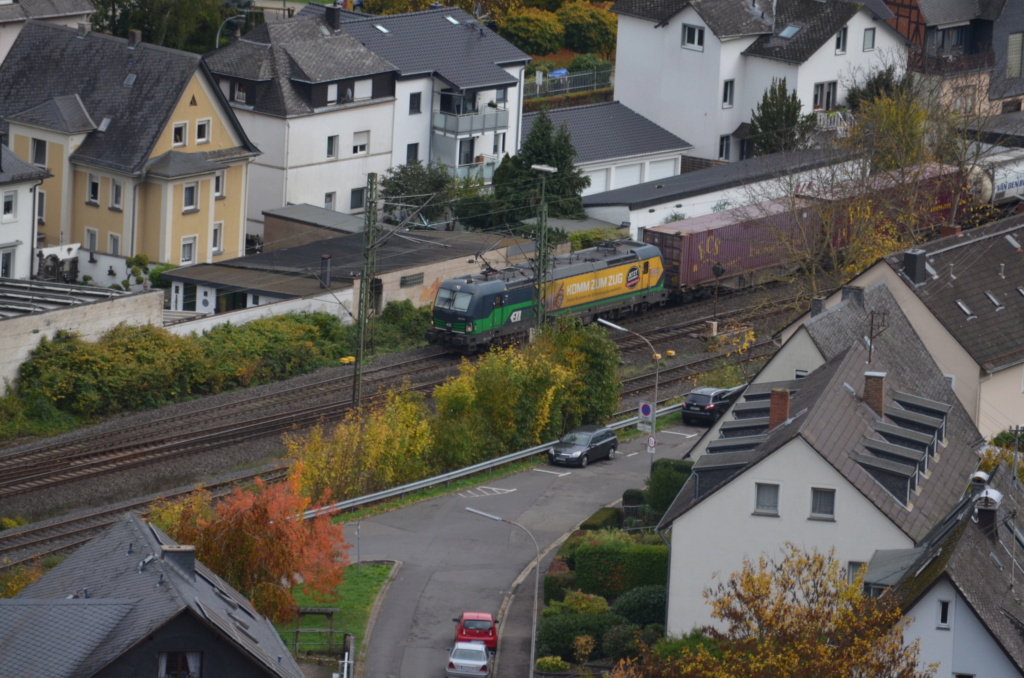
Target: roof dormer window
pixel 789 31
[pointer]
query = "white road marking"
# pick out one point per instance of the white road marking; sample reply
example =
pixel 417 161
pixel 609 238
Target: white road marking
pixel 632 454
pixel 485 491
pixel 678 433
pixel 555 473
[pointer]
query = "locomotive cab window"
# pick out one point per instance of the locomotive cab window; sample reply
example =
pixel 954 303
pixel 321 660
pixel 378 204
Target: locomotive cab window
pixel 499 301
pixel 450 299
pixel 647 266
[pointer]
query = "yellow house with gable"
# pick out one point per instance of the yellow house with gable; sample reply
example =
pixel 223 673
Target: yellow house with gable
pixel 145 154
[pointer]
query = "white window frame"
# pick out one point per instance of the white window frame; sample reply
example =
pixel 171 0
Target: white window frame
pixel 362 199
pixel 7 263
pixel 185 206
pixel 869 45
pixel 92 239
pixel 1014 54
pixel 945 606
pixel 408 149
pixel 217 237
pixel 38 144
pixel 362 89
pixel 40 206
pixel 361 143
pixel 220 184
pixel 724 146
pixel 190 241
pixel 114 244
pixel 332 146
pixel 240 89
pixel 13 213
pixel 841 35
pixel 92 197
pixel 332 93
pixel 204 122
pixel 815 515
pixel 822 90
pixel 693 37
pixel 498 147
pixel 331 201
pixel 852 568
pixel 728 93
pixel 418 98
pixel 766 510
pixel 116 194
pixel 183 126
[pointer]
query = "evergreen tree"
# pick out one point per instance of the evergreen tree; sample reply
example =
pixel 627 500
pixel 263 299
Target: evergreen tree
pixel 777 124
pixel 517 187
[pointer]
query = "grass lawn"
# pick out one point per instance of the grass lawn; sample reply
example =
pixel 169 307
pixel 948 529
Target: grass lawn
pixel 353 600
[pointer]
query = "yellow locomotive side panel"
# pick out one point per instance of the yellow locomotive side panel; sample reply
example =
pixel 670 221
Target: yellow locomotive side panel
pixel 595 286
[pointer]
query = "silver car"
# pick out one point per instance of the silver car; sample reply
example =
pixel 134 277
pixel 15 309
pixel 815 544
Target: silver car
pixel 468 659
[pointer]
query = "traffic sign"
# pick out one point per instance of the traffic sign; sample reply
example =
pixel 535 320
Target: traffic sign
pixel 646 417
pixel 650 444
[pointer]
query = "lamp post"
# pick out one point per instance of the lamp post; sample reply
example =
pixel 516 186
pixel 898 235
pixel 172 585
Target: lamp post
pixel 536 580
pixel 542 243
pixel 230 18
pixel 657 363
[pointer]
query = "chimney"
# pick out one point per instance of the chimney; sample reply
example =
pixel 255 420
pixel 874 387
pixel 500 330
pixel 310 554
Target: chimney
pixel 913 266
pixel 83 29
pixel 874 391
pixel 334 16
pixel 325 271
pixel 134 38
pixel 181 557
pixel 817 306
pixel 778 407
pixel 855 294
pixel 979 481
pixel 948 230
pixel 986 510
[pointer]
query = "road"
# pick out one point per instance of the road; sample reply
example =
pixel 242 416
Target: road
pixel 453 560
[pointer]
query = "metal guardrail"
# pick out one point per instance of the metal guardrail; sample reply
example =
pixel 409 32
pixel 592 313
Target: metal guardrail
pixel 568 83
pixel 461 473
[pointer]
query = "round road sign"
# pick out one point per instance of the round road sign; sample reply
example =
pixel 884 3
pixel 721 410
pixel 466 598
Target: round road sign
pixel 650 441
pixel 645 409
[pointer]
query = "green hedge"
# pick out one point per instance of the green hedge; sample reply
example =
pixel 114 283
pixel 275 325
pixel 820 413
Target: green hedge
pixel 603 519
pixel 611 569
pixel 643 605
pixel 555 635
pixel 593 96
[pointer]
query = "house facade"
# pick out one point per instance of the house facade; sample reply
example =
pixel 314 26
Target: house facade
pixel 18 183
pixel 144 154
pixel 699 69
pixel 837 444
pixel 332 95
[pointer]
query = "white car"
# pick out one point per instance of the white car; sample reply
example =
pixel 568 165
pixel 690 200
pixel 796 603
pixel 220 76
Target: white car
pixel 469 659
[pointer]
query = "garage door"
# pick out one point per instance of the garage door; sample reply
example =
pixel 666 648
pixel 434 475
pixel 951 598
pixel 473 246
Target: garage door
pixel 598 182
pixel 627 175
pixel 659 169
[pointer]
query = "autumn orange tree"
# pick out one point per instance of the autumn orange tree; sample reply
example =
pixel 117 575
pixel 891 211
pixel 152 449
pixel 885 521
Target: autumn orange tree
pixel 257 541
pixel 797 615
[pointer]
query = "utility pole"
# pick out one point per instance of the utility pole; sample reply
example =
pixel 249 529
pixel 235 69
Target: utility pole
pixel 540 307
pixel 371 230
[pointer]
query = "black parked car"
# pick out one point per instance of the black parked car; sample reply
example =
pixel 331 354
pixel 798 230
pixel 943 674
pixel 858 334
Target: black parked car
pixel 708 404
pixel 584 445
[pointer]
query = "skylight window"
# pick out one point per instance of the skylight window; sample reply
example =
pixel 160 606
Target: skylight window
pixel 452 20
pixel 1013 242
pixel 130 80
pixel 995 302
pixel 1021 291
pixel 789 31
pixel 966 310
pixel 104 124
pixel 323 29
pixel 382 29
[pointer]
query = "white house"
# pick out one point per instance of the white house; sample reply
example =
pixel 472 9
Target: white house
pixel 957 586
pixel 698 68
pixel 18 183
pixel 332 95
pixel 840 443
pixel 616 146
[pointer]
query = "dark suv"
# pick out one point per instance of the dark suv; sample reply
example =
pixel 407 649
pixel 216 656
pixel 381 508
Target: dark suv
pixel 584 445
pixel 708 404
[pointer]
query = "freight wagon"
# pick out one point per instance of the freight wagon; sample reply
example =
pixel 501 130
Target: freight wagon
pixel 497 306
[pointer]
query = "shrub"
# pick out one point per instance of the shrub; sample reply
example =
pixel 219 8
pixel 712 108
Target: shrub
pixel 534 31
pixel 156 278
pixel 583 239
pixel 556 635
pixel 588 62
pixel 620 642
pixel 577 602
pixel 611 569
pixel 643 605
pixel 664 483
pixel 557 584
pixel 652 633
pixel 633 497
pixel 587 28
pixel 552 664
pixel 8 523
pixel 593 96
pixel 603 518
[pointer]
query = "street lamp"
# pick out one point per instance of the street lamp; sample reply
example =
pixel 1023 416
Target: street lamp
pixel 536 580
pixel 542 242
pixel 230 18
pixel 657 362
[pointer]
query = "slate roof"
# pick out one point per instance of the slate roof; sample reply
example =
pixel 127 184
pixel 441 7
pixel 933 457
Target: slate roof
pixel 291 54
pixel 966 269
pixel 843 430
pixel 114 592
pixel 466 54
pixel 96 68
pixel 23 10
pixel 719 178
pixel 725 18
pixel 980 566
pixel 941 12
pixel 313 215
pixel 14 170
pixel 610 130
pixel 175 164
pixel 64 114
pixel 818 24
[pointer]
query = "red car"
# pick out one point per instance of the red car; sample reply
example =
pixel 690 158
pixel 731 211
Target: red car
pixel 477 626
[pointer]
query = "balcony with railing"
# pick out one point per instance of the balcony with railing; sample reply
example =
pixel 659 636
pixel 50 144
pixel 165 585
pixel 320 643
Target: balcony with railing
pixel 471 123
pixel 953 63
pixel 482 168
